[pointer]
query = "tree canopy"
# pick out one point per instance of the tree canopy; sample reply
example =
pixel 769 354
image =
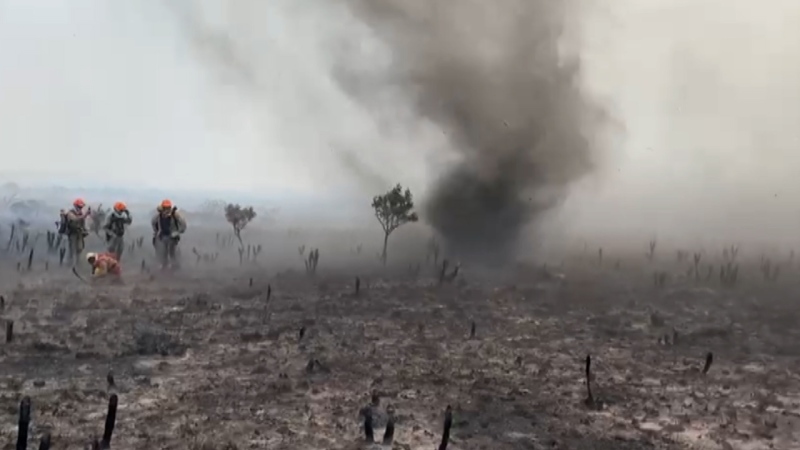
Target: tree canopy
pixel 394 208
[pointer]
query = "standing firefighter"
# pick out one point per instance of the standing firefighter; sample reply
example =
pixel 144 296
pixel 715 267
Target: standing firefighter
pixel 73 224
pixel 115 229
pixel 168 226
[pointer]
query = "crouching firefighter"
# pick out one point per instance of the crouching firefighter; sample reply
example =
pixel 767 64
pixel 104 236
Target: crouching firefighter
pixel 115 229
pixel 168 226
pixel 104 265
pixel 73 225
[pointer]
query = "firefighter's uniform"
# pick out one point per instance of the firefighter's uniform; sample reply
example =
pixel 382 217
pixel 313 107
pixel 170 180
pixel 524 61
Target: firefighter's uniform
pixel 168 226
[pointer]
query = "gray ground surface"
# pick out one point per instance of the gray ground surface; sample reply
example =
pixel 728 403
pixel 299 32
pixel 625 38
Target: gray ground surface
pixel 202 360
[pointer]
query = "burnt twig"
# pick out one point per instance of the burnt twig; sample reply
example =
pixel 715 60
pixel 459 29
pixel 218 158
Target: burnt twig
pixel 44 443
pixel 266 303
pixel 111 420
pixel 24 422
pixel 369 432
pixel 11 237
pixel 448 423
pixel 312 261
pixel 443 273
pixel 589 401
pixel 709 360
pixel 729 274
pixel 697 257
pixel 388 435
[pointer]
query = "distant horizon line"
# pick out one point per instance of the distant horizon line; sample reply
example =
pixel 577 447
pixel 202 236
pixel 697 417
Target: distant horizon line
pixel 25 179
pixel 285 199
pixel 211 193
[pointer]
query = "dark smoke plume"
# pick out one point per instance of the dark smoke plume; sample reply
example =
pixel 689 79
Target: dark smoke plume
pixel 493 76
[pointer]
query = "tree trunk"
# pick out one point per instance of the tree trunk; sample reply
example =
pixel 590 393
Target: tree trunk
pixel 385 244
pixel 238 234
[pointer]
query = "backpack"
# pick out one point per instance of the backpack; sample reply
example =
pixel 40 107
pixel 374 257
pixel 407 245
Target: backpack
pixel 62 224
pixel 116 225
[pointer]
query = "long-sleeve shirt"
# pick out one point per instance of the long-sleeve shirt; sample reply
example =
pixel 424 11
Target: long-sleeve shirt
pixel 116 222
pixel 165 225
pixel 76 221
pixel 106 264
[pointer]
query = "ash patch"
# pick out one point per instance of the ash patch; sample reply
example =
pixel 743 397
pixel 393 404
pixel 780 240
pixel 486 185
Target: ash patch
pixel 150 339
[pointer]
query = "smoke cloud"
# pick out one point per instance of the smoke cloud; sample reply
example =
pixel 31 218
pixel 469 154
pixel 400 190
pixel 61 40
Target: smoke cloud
pixel 478 107
pixel 501 82
pixel 342 99
pixel 271 64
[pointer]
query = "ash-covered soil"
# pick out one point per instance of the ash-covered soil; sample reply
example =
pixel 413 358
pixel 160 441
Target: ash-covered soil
pixel 202 359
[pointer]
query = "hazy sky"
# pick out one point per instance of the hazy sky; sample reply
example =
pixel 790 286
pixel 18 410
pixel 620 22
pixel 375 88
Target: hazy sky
pixel 125 91
pixel 706 94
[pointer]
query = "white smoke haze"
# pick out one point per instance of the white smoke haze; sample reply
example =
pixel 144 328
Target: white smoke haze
pixel 276 60
pixel 702 99
pixel 708 93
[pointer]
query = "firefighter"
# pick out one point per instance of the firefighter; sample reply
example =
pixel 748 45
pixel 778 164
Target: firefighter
pixel 115 225
pixel 73 225
pixel 168 226
pixel 104 264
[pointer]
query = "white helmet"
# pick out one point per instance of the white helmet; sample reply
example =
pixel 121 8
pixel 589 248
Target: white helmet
pixel 91 256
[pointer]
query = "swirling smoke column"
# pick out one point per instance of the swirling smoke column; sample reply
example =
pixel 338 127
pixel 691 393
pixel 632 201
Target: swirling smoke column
pixel 492 75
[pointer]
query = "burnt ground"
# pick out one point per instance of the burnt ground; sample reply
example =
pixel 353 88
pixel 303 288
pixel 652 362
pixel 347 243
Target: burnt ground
pixel 202 360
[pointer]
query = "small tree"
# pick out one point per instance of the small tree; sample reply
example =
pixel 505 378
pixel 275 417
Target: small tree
pixel 392 210
pixel 239 217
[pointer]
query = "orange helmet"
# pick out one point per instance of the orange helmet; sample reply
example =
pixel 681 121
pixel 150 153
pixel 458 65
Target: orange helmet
pixel 166 204
pixel 120 206
pixel 79 203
